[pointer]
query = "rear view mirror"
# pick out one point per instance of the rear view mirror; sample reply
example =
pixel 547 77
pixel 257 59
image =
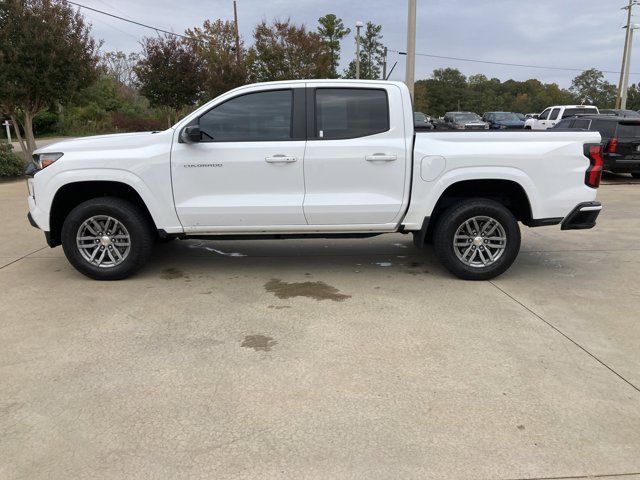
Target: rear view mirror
pixel 191 134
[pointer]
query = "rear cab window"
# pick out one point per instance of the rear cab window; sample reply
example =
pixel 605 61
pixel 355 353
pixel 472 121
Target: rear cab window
pixel 628 130
pixel 343 113
pixel 571 112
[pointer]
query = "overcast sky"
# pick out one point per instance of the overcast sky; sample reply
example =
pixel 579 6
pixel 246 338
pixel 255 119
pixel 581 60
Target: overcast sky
pixel 557 33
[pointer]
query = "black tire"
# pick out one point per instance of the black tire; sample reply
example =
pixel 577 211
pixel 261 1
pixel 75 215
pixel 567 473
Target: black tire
pixel 130 216
pixel 635 174
pixel 453 219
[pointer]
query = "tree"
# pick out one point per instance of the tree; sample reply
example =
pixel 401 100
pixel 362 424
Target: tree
pixel 443 91
pixel 47 55
pixel 591 87
pixel 215 43
pixel 332 30
pixel 170 73
pixel 120 67
pixel 371 54
pixel 283 51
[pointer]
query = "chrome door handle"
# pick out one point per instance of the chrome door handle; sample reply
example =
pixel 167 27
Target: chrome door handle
pixel 280 159
pixel 380 157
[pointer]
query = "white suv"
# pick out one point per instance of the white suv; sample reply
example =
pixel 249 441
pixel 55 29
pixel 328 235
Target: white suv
pixel 553 115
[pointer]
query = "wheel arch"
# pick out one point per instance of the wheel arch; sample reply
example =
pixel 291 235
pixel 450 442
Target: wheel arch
pixel 506 192
pixel 72 194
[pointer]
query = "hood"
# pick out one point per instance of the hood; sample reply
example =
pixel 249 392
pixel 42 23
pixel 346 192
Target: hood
pixel 116 141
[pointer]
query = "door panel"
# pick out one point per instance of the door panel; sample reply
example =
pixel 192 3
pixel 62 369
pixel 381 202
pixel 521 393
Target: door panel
pixel 355 161
pixel 248 168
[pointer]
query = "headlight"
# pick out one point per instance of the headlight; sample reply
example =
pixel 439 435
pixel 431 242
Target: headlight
pixel 458 126
pixel 43 160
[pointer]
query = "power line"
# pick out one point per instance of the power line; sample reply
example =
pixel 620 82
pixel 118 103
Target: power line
pixel 130 21
pixel 399 52
pixel 502 63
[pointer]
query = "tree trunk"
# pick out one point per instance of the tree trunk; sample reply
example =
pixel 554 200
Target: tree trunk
pixel 28 133
pixel 16 127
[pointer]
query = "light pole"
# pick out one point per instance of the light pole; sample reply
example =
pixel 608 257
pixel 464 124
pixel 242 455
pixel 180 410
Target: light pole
pixel 411 47
pixel 7 125
pixel 359 25
pixel 624 52
pixel 625 83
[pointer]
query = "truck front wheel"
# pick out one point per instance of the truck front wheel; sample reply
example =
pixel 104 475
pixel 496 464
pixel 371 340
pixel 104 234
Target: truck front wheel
pixel 477 239
pixel 107 238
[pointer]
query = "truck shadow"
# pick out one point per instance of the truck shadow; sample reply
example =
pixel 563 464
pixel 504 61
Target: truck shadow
pixel 180 258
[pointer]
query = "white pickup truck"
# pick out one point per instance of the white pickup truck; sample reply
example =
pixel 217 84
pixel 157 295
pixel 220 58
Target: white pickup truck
pixel 315 158
pixel 551 116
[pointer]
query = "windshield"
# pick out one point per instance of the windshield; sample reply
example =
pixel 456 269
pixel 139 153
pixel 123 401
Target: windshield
pixel 505 117
pixel 466 117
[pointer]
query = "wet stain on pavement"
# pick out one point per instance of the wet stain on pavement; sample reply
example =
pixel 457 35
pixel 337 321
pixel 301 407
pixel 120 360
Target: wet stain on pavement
pixel 316 290
pixel 171 274
pixel 260 343
pixel 278 307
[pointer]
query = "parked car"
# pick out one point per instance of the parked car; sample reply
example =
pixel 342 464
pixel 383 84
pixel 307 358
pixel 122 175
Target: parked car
pixel 620 140
pixel 620 113
pixel 503 120
pixel 520 116
pixel 421 121
pixel 463 121
pixel 314 158
pixel 552 115
pixel 531 115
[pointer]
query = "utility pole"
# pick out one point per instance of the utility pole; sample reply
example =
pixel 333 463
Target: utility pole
pixel 411 47
pixel 625 83
pixel 359 25
pixel 624 53
pixel 384 65
pixel 235 25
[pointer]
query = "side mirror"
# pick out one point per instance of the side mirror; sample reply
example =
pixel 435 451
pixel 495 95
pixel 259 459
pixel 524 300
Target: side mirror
pixel 191 134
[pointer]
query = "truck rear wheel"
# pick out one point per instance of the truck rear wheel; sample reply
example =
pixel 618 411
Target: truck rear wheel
pixel 477 239
pixel 107 238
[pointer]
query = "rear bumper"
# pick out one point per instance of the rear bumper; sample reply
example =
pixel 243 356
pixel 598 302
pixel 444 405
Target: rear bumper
pixel 583 216
pixel 621 164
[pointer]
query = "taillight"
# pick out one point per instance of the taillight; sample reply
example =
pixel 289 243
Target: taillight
pixel 613 143
pixel 594 172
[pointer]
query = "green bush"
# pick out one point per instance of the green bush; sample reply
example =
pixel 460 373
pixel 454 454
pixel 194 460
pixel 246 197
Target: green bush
pixel 45 123
pixel 11 165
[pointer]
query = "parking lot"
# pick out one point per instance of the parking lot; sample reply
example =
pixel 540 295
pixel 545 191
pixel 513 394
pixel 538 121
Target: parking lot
pixel 324 358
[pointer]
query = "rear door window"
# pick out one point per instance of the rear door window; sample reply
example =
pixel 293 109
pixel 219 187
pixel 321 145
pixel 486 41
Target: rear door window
pixel 350 112
pixel 566 123
pixel 606 128
pixel 582 124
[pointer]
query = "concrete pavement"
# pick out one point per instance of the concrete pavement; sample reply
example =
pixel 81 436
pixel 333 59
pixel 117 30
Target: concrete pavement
pixel 323 359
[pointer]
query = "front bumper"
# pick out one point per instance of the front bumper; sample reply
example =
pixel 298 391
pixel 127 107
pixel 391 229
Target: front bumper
pixel 583 216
